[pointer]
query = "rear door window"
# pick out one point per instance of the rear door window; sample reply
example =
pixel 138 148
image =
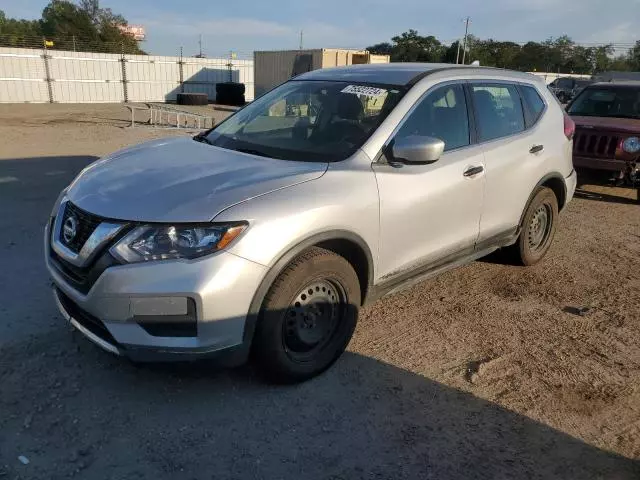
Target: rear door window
pixel 498 110
pixel 534 105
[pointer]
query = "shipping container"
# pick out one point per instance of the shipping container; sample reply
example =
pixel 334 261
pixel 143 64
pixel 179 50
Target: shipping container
pixel 275 67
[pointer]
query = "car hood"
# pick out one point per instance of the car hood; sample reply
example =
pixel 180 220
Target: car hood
pixel 621 125
pixel 181 180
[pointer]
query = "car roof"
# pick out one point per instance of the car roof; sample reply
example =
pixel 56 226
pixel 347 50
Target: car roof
pixel 406 74
pixel 618 83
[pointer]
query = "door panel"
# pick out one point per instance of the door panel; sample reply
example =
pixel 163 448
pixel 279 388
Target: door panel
pixel 428 211
pixel 511 169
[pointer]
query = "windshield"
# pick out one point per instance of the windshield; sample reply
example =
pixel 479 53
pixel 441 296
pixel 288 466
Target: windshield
pixel 623 102
pixel 308 120
pixel 564 83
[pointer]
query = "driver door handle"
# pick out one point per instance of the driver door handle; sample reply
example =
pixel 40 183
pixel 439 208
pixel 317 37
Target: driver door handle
pixel 472 171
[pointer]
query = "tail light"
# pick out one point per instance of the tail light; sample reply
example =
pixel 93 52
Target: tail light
pixel 569 127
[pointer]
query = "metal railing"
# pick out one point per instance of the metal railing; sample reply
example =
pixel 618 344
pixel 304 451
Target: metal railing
pixel 161 115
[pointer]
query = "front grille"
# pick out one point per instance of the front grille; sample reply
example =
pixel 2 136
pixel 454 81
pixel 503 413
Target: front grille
pixel 86 223
pixel 82 279
pixel 589 144
pixel 88 321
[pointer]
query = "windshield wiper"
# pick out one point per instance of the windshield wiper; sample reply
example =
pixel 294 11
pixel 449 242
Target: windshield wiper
pixel 202 137
pixel 251 151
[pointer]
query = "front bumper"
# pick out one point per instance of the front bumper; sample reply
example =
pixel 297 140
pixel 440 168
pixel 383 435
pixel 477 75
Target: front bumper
pixel 614 165
pixel 571 183
pixel 125 297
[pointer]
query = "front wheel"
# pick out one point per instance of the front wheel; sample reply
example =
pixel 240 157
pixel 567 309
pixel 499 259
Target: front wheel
pixel 538 227
pixel 307 318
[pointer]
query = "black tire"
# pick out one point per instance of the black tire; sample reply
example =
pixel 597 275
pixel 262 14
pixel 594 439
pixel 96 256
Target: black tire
pixel 230 88
pixel 230 93
pixel 538 227
pixel 307 317
pixel 192 99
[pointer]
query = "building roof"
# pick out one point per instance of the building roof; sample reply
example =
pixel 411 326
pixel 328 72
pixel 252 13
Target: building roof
pixel 400 73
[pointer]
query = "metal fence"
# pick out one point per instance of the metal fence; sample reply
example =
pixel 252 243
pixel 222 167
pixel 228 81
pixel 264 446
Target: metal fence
pixel 63 76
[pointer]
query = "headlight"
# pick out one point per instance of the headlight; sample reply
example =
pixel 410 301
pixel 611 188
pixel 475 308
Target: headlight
pixel 164 242
pixel 631 145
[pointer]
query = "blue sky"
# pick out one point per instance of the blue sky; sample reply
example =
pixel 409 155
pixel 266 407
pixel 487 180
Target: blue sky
pixel 247 25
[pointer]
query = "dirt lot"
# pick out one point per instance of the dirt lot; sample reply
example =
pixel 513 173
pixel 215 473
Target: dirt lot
pixel 486 372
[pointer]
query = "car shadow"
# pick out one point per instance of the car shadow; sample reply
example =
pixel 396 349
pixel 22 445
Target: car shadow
pixel 587 180
pixel 363 418
pixel 28 189
pixel 603 197
pixel 74 410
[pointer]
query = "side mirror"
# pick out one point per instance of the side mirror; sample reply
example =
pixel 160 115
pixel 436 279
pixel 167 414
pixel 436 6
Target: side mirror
pixel 417 149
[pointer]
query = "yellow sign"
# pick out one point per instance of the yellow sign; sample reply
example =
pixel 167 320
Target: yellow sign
pixel 48 43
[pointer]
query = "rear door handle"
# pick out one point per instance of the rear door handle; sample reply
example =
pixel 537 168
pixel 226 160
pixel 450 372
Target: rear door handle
pixel 536 149
pixel 472 171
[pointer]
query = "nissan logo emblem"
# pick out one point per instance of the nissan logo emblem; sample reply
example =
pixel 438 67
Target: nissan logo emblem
pixel 70 229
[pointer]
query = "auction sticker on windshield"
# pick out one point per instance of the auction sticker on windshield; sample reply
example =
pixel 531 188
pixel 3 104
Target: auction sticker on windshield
pixel 364 90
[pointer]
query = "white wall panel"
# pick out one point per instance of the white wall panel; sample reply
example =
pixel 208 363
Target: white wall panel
pixel 82 77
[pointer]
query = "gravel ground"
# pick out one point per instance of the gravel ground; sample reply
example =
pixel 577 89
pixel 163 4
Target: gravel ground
pixel 490 371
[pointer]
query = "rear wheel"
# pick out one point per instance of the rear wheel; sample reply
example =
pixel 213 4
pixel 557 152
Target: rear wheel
pixel 307 318
pixel 538 227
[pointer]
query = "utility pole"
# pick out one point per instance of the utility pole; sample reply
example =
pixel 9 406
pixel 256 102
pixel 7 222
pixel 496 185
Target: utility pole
pixel 466 33
pixel 181 71
pixel 200 44
pixel 458 53
pixel 301 37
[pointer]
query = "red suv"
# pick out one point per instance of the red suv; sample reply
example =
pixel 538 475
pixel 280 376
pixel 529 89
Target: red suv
pixel 607 117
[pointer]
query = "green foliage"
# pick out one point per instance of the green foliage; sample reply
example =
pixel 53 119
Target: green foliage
pixel 411 47
pixel 553 55
pixel 384 48
pixel 84 26
pixel 16 31
pixel 634 57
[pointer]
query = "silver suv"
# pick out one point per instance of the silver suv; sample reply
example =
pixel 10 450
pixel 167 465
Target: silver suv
pixel 266 234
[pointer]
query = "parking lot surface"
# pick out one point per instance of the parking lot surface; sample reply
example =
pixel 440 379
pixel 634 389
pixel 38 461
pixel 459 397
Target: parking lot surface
pixel 491 371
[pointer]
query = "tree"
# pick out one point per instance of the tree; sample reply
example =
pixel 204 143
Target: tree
pixel 85 25
pixel 108 27
pixel 411 47
pixel 531 58
pixel 62 19
pixel 633 57
pixel 384 48
pixel 492 53
pixel 603 58
pixel 450 53
pixel 561 54
pixel 18 33
pixel 92 9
